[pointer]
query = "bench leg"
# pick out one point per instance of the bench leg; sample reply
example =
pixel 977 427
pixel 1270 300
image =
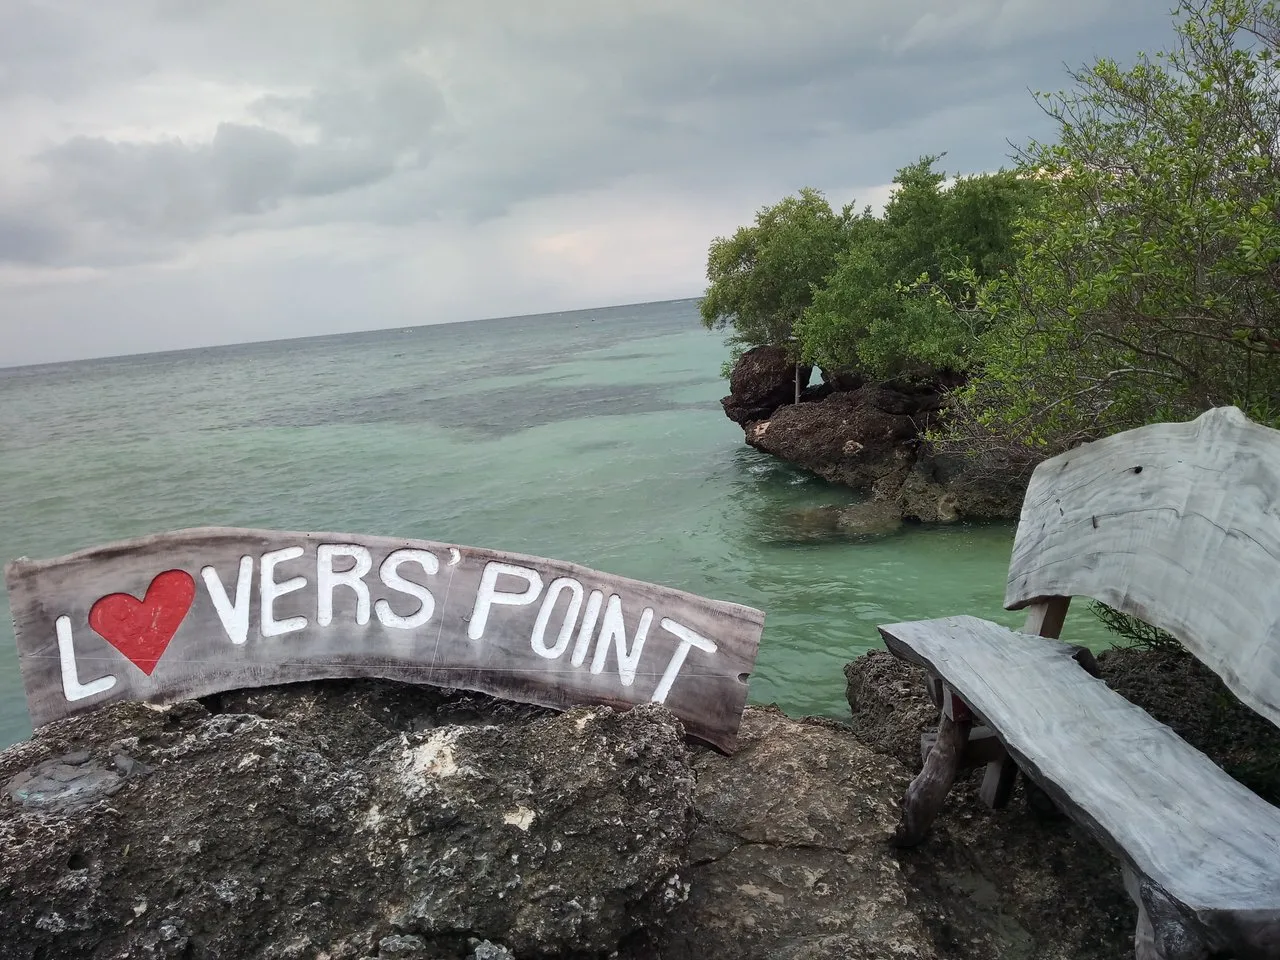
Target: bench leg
pixel 997 784
pixel 929 789
pixel 1162 933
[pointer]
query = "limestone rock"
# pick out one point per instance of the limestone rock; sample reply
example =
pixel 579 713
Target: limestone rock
pixel 362 819
pixel 890 705
pixel 941 489
pixel 791 856
pixel 762 380
pixel 843 438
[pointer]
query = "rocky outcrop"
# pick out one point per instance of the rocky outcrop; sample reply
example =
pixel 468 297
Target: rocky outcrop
pixel 869 437
pixel 790 857
pixel 763 380
pixel 363 819
pixel 942 488
pixel 343 820
pixel 846 438
pixel 889 705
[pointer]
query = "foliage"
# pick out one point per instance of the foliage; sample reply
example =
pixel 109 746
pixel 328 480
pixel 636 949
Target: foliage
pixel 1149 284
pixel 890 307
pixel 762 278
pixel 1137 632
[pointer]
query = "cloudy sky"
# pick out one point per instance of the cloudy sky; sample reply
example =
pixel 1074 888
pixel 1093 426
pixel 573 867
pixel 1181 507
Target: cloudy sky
pixel 178 173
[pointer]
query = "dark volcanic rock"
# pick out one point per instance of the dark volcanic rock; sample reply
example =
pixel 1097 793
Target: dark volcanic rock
pixel 762 380
pixel 350 822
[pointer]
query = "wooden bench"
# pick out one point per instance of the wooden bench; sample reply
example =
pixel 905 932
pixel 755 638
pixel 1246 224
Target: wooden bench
pixel 1178 524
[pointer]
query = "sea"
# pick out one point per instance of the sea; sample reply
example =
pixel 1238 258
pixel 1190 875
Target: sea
pixel 594 436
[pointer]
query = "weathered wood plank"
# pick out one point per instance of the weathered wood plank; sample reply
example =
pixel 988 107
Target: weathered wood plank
pixel 1175 523
pixel 194 612
pixel 1162 807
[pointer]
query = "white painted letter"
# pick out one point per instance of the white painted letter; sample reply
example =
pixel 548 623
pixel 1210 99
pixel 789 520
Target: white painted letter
pixel 588 627
pixel 72 688
pixel 539 639
pixel 328 579
pixel 687 639
pixel 614 631
pixel 269 590
pixel 234 616
pixel 427 604
pixel 487 594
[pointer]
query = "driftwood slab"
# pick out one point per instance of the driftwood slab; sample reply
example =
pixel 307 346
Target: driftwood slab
pixel 195 612
pixel 1167 811
pixel 1177 524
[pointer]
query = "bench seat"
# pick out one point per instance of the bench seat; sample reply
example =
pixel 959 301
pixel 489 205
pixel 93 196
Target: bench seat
pixel 1161 806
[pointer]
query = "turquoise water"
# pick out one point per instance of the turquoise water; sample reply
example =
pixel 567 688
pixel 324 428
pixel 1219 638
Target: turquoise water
pixel 594 436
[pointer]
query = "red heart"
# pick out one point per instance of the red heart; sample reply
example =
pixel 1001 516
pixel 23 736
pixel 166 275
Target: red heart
pixel 142 629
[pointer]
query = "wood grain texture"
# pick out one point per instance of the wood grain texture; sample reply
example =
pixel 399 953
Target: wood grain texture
pixel 1208 844
pixel 289 641
pixel 1177 524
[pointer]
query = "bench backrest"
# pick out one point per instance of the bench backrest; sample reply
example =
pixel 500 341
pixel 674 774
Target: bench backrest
pixel 1177 524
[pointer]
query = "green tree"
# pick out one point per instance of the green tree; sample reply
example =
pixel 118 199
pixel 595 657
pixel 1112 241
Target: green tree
pixel 890 306
pixel 762 278
pixel 1149 285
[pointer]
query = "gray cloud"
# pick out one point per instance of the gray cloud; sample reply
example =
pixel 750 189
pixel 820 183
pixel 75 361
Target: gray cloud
pixel 400 109
pixel 172 188
pixel 29 238
pixel 154 126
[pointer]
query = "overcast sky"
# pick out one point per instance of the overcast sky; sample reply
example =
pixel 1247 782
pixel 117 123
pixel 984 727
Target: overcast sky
pixel 178 173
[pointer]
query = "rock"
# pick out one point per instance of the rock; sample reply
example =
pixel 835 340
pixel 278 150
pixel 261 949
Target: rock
pixel 402 947
pixel 815 392
pixel 762 380
pixel 834 522
pixel 890 705
pixel 844 438
pixel 869 519
pixel 870 437
pixel 491 951
pixel 941 489
pixel 346 819
pixel 791 856
pixel 903 400
pixel 361 820
pixel 871 440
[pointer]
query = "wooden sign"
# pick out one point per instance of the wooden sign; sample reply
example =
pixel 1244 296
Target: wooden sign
pixel 186 614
